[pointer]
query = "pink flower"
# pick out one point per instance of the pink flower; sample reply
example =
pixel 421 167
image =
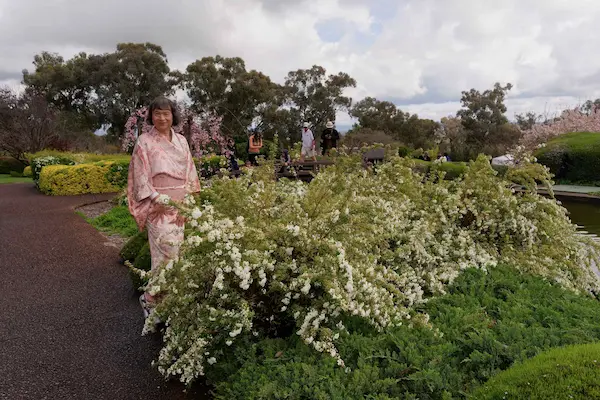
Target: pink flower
pixel 573 120
pixel 203 136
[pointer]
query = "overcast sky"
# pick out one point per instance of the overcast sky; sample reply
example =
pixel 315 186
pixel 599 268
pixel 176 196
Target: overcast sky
pixel 420 54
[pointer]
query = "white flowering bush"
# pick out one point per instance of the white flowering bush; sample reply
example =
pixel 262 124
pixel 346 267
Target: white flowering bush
pixel 265 258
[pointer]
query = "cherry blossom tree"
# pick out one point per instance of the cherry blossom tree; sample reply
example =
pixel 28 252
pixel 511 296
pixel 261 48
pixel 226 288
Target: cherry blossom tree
pixel 203 135
pixel 573 120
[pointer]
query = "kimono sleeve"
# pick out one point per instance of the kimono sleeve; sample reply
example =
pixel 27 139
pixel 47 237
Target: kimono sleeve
pixel 139 186
pixel 139 180
pixel 192 180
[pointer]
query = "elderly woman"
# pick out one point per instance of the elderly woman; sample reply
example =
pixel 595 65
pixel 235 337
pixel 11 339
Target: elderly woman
pixel 161 170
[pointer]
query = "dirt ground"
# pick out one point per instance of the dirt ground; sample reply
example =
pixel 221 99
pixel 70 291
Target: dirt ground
pixel 95 210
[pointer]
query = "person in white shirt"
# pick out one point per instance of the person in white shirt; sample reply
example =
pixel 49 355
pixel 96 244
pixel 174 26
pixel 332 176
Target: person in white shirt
pixel 308 143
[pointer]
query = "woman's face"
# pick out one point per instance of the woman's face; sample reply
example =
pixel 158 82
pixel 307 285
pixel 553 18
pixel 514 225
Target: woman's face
pixel 162 119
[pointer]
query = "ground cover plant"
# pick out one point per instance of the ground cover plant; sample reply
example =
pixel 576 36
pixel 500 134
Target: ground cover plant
pixel 484 324
pixel 375 245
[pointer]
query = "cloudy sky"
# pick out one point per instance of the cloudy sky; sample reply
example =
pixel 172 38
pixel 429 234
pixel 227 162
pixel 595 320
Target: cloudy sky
pixel 420 54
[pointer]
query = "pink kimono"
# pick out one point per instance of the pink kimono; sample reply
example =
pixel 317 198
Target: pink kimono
pixel 166 167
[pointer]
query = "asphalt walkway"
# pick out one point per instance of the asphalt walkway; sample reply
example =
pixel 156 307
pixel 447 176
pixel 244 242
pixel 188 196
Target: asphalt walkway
pixel 70 323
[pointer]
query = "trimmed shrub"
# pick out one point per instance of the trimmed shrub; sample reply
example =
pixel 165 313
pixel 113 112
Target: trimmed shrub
pixel 51 157
pixel 16 174
pixel 142 262
pixel 65 180
pixel 40 162
pixel 452 169
pixel 9 164
pixel 571 372
pixel 574 157
pixel 27 172
pixel 133 246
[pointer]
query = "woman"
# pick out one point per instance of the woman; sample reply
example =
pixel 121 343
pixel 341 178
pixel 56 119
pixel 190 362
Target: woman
pixel 255 143
pixel 161 170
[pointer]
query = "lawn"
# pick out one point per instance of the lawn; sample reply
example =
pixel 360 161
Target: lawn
pixel 117 221
pixel 5 178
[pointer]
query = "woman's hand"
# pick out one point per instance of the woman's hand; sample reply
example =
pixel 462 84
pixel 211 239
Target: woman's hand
pixel 162 199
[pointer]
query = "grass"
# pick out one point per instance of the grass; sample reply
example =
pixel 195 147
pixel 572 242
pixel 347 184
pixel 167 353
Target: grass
pixel 571 372
pixel 6 179
pixel 117 221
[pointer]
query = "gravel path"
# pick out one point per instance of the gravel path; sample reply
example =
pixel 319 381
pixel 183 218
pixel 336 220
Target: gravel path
pixel 70 323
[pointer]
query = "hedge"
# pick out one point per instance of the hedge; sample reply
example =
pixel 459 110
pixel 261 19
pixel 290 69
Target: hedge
pixel 50 157
pixel 9 164
pixel 65 180
pixel 573 157
pixel 571 372
pixel 27 172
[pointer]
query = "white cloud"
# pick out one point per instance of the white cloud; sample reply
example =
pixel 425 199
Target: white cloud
pixel 421 54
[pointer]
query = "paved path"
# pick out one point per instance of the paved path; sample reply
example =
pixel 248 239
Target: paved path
pixel 70 323
pixel 575 189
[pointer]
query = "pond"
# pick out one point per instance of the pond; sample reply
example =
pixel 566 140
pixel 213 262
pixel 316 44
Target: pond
pixel 585 214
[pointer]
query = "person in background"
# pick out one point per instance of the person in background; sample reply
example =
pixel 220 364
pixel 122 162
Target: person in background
pixel 161 170
pixel 329 138
pixel 285 161
pixel 308 143
pixel 255 143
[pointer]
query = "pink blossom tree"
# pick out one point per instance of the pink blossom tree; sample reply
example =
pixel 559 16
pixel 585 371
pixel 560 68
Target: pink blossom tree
pixel 573 120
pixel 204 136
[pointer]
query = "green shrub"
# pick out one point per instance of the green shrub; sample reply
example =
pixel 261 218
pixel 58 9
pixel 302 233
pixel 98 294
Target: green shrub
pixel 501 169
pixel 142 262
pixel 574 157
pixel 485 324
pixel 572 372
pixel 133 246
pixel 210 165
pixel 65 180
pixel 9 164
pixel 117 221
pixel 27 172
pixel 453 170
pixel 404 151
pixel 16 174
pixel 117 173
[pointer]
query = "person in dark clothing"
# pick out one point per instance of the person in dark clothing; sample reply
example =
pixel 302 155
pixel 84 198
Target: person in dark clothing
pixel 285 161
pixel 329 138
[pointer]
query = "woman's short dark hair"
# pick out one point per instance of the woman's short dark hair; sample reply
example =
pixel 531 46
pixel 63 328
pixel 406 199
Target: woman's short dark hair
pixel 163 103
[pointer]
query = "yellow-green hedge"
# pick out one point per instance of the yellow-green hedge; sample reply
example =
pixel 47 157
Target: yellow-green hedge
pixel 27 172
pixel 66 180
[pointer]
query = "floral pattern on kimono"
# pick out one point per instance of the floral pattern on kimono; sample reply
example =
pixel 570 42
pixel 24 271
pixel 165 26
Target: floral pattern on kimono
pixel 166 167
